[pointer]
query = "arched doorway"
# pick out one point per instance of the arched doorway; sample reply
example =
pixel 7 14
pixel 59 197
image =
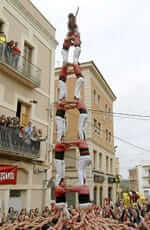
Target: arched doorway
pixel 110 192
pixel 95 195
pixel 101 195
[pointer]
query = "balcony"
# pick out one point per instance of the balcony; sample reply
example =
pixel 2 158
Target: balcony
pixel 13 145
pixel 21 70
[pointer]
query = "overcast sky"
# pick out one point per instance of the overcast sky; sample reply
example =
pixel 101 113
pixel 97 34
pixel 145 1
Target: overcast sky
pixel 116 35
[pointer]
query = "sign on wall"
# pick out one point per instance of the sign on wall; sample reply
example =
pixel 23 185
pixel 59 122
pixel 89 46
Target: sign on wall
pixel 8 174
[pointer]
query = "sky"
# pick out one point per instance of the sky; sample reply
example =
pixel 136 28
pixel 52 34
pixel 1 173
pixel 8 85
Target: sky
pixel 115 35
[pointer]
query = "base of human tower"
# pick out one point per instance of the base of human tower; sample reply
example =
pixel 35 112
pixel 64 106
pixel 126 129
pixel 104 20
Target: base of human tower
pixel 74 173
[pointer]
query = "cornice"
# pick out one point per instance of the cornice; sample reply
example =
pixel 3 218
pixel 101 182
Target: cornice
pixel 32 20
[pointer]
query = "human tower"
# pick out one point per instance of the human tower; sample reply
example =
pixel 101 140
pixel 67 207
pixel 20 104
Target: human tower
pixel 72 39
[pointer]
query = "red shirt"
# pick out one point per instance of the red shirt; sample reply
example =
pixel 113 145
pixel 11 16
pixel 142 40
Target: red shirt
pixel 81 144
pixel 81 189
pixel 61 147
pixel 63 71
pixel 77 70
pixel 59 191
pixel 80 105
pixel 76 39
pixel 15 50
pixel 67 43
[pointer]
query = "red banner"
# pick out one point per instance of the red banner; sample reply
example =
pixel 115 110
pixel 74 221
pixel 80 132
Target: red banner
pixel 8 174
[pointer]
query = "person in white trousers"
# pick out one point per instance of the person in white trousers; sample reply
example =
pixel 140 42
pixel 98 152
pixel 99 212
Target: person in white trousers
pixel 84 160
pixel 60 119
pixel 79 82
pixel 65 50
pixel 83 120
pixel 62 82
pixel 59 150
pixel 77 50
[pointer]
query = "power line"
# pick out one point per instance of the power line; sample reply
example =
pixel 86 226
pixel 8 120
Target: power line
pixel 123 115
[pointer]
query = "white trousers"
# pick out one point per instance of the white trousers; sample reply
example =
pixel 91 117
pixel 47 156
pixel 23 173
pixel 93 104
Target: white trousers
pixel 60 170
pixel 78 85
pixel 82 126
pixel 85 205
pixel 62 90
pixel 76 54
pixel 65 54
pixel 60 128
pixel 65 209
pixel 84 162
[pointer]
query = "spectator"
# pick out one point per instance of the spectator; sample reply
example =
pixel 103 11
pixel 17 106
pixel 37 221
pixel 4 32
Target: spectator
pixel 10 216
pixel 8 51
pixel 15 55
pixel 27 137
pixel 21 138
pixel 2 43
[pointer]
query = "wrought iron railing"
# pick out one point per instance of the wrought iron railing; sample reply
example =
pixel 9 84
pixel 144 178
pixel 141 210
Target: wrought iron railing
pixel 21 65
pixel 12 140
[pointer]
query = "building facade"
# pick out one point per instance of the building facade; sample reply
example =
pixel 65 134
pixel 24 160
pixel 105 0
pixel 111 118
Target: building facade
pixel 99 99
pixel 140 179
pixel 26 83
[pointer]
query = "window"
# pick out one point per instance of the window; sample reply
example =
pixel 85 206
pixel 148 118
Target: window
pixel 94 95
pixel 28 55
pixel 95 125
pixel 15 193
pixel 99 128
pixel 94 159
pixel 111 166
pixel 98 99
pixel 107 164
pixel 106 134
pixel 109 137
pixel 100 161
pixel 106 108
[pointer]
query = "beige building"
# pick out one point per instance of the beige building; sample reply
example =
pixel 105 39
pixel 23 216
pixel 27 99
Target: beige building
pixel 133 178
pixel 25 89
pixel 99 99
pixel 140 178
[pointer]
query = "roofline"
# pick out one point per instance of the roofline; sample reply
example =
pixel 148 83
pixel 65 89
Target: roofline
pixel 93 65
pixel 42 15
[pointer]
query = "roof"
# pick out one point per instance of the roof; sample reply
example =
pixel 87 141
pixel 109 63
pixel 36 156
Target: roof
pixel 42 15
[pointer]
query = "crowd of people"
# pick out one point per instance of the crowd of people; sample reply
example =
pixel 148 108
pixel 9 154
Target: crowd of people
pixel 19 138
pixel 9 51
pixel 106 217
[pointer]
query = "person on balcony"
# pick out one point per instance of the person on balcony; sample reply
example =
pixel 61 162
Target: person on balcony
pixel 15 55
pixel 27 136
pixel 2 43
pixel 8 51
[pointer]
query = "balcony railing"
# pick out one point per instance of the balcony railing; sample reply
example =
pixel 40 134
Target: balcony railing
pixel 11 141
pixel 27 71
